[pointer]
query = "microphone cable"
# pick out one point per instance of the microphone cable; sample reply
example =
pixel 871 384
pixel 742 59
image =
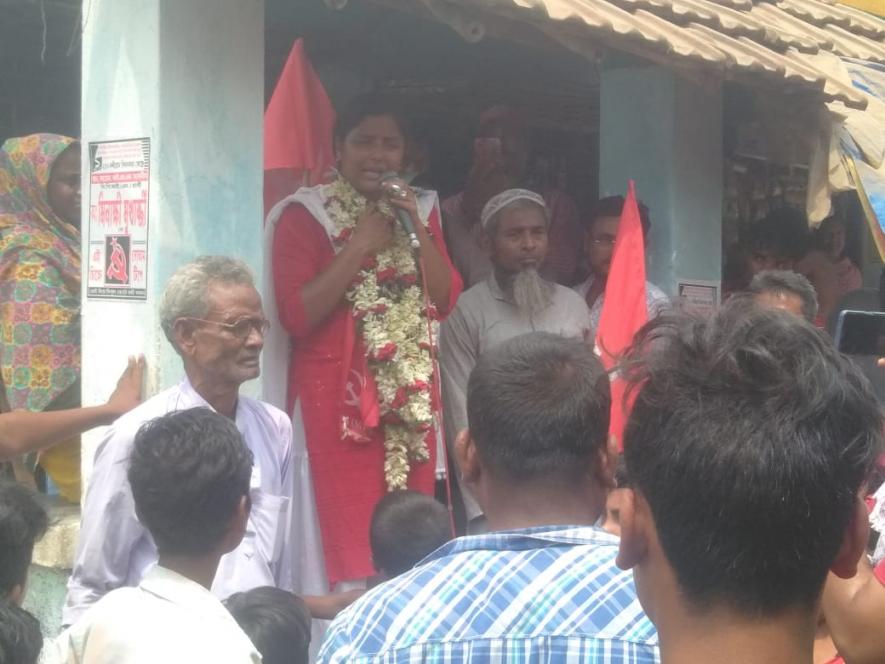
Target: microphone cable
pixel 436 391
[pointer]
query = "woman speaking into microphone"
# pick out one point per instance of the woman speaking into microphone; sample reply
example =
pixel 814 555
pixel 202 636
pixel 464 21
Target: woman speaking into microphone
pixel 361 308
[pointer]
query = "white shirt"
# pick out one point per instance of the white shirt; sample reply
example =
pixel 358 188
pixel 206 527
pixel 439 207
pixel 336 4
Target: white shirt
pixel 115 550
pixel 656 301
pixel 167 618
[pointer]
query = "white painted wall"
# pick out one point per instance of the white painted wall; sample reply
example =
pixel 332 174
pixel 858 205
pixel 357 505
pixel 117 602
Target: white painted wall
pixel 189 74
pixel 665 132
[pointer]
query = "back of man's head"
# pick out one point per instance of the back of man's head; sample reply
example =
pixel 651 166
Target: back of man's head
pixel 538 410
pixel 276 621
pixel 20 637
pixel 189 472
pixel 749 441
pixel 23 520
pixel 775 287
pixel 406 527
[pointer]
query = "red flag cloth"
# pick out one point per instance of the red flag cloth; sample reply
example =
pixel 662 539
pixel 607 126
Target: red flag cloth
pixel 298 125
pixel 624 309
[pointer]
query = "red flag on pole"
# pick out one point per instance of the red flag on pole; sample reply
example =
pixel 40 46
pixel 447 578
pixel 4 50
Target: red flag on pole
pixel 298 125
pixel 624 310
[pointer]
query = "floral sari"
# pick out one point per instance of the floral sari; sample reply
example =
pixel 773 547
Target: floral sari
pixel 39 281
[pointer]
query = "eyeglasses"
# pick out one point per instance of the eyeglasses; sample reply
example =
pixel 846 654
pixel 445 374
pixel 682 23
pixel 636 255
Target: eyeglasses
pixel 240 328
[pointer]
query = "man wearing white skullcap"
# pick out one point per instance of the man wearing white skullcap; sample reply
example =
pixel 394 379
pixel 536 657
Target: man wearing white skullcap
pixel 501 161
pixel 513 300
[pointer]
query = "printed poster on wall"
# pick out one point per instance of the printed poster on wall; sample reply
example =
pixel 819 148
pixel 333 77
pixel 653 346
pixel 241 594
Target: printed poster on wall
pixel 119 190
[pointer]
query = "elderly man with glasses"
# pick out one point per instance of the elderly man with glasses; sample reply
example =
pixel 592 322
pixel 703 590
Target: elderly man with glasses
pixel 212 315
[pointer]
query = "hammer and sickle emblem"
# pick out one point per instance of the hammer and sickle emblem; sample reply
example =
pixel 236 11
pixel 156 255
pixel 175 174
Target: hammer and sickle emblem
pixel 354 389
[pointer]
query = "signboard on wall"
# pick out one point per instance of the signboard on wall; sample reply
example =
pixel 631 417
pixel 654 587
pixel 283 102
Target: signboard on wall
pixel 699 297
pixel 119 191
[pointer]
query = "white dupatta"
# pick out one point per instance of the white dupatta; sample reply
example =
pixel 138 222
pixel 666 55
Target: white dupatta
pixel 309 568
pixel 277 346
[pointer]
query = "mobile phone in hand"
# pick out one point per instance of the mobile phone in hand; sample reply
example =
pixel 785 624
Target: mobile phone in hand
pixel 861 336
pixel 861 333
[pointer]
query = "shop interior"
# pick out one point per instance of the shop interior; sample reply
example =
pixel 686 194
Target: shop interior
pixel 443 80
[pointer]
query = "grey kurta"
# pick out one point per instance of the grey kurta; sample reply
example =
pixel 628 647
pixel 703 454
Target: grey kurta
pixel 482 319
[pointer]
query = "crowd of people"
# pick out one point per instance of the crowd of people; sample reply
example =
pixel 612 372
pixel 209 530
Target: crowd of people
pixel 217 527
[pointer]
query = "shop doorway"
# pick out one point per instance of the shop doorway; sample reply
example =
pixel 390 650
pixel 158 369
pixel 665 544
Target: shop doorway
pixel 443 83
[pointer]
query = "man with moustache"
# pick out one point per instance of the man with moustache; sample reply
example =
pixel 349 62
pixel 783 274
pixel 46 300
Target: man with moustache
pixel 212 315
pixel 513 300
pixel 501 161
pixel 599 249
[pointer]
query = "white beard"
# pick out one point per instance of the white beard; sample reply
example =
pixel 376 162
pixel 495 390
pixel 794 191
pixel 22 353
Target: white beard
pixel 531 293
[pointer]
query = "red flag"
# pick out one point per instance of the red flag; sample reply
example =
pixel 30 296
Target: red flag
pixel 624 309
pixel 298 126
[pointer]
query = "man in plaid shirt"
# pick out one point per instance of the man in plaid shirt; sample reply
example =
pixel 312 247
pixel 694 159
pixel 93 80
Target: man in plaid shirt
pixel 543 585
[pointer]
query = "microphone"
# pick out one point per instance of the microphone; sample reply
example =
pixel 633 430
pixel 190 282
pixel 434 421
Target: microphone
pixel 396 190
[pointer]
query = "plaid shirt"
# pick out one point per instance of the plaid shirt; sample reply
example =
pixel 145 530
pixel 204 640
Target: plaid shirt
pixel 549 594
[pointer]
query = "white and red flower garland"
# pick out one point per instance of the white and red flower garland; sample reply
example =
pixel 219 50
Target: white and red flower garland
pixel 389 307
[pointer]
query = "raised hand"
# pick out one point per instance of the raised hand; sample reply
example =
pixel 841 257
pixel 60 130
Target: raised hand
pixel 128 392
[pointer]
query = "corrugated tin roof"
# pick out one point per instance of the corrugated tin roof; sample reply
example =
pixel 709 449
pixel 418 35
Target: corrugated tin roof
pixel 766 39
pixel 828 13
pixel 876 7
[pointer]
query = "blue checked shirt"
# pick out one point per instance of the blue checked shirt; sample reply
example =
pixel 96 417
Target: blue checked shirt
pixel 538 595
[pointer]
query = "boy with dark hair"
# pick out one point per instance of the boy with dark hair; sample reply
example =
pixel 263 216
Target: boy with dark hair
pixel 276 621
pixel 23 521
pixel 747 452
pixel 406 527
pixel 20 637
pixel 768 248
pixel 189 472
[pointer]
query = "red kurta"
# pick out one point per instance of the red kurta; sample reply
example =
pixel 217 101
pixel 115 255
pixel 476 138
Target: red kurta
pixel 348 476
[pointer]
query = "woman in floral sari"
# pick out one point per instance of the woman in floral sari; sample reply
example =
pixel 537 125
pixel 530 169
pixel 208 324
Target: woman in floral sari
pixel 40 286
pixel 352 299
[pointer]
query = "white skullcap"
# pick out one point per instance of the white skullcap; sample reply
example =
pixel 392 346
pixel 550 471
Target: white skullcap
pixel 505 198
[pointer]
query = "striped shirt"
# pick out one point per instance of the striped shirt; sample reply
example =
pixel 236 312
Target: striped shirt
pixel 550 594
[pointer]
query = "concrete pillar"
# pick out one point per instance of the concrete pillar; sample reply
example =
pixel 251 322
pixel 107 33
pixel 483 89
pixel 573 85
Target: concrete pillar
pixel 665 132
pixel 190 76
